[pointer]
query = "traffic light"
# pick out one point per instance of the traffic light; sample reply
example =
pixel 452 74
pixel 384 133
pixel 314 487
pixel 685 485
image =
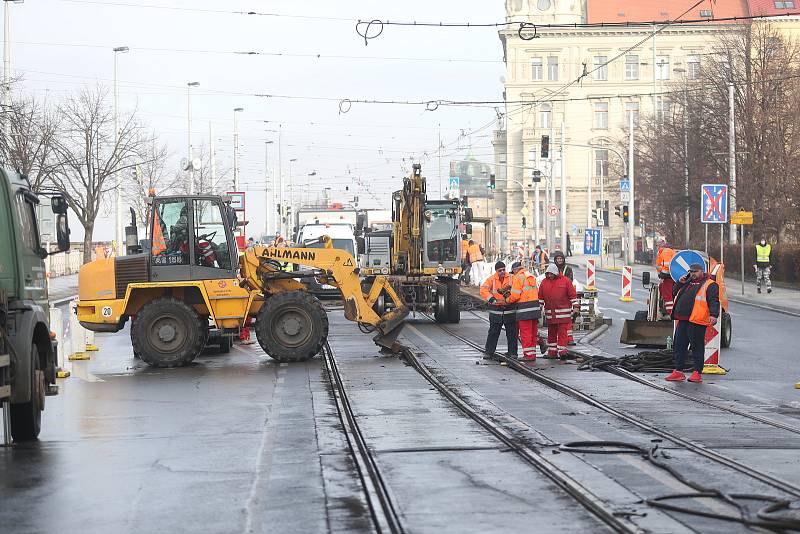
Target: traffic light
pixel 545 146
pixel 524 222
pixel 492 180
pixel 625 214
pixel 618 211
pixel 537 176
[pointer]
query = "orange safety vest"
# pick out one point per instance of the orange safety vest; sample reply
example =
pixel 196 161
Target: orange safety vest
pixel 464 248
pixel 663 259
pixel 525 292
pixel 700 312
pixel 491 288
pixel 159 244
pixel 475 253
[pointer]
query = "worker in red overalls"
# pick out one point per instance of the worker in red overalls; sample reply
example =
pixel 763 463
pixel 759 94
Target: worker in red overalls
pixel 559 297
pixel 525 294
pixel 663 259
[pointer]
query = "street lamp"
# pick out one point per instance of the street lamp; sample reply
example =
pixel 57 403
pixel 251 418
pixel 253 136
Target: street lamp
pixel 290 225
pixel 236 112
pixel 190 164
pixel 269 195
pixel 119 235
pixel 682 72
pixel 7 55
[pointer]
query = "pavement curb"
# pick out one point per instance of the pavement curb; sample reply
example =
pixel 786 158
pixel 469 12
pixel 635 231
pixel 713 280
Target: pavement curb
pixel 591 337
pixel 773 308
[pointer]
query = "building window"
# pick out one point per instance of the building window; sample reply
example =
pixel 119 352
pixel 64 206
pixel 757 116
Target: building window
pixel 545 115
pixel 600 68
pixel 706 13
pixel 693 67
pixel 631 67
pixel 632 108
pixel 536 69
pixel 788 4
pixel 552 68
pixel 601 162
pixel 662 108
pixel 601 115
pixel 662 67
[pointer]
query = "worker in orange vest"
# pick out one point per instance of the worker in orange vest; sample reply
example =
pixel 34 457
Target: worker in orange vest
pixel 475 259
pixel 696 308
pixel 560 299
pixel 663 259
pixel 464 260
pixel 525 294
pixel 496 290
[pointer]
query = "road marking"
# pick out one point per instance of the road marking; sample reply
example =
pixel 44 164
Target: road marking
pixel 621 312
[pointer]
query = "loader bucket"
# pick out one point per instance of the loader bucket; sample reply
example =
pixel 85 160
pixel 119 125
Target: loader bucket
pixel 646 333
pixel 390 327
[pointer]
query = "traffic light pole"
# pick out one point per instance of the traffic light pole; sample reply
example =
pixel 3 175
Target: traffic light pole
pixel 631 213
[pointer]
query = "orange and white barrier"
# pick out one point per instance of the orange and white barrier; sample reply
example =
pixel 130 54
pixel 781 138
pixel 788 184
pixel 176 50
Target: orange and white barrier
pixel 627 284
pixel 77 336
pixel 713 344
pixel 590 275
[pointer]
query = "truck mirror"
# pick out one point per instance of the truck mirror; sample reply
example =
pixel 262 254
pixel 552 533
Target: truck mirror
pixel 360 223
pixel 59 205
pixel 646 278
pixel 62 231
pixel 468 215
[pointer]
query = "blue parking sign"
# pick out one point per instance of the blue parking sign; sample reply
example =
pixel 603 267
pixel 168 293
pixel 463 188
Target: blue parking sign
pixel 591 241
pixel 714 203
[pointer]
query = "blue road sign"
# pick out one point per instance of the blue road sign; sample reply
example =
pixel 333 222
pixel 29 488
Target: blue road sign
pixel 680 263
pixel 455 183
pixel 591 241
pixel 714 203
pixel 624 186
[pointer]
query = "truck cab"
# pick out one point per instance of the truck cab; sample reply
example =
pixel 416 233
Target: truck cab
pixel 24 311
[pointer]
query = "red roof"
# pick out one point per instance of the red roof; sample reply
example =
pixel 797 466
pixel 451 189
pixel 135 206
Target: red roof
pixel 767 7
pixel 657 10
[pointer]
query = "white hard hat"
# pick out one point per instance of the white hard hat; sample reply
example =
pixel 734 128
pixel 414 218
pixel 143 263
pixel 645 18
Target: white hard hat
pixel 552 269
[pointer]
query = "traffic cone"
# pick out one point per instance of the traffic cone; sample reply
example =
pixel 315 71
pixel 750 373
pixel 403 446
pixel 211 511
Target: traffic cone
pixel 627 281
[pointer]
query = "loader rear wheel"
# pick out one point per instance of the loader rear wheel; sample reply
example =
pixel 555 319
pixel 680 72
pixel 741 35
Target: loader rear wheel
pixel 292 326
pixel 726 331
pixel 167 333
pixel 453 311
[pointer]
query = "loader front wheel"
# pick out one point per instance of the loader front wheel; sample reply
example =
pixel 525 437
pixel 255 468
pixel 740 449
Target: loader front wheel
pixel 292 326
pixel 167 333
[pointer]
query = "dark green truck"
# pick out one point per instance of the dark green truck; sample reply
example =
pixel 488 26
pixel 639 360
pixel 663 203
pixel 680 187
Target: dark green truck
pixel 27 352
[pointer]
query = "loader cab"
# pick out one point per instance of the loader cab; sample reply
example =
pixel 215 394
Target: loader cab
pixel 441 232
pixel 191 238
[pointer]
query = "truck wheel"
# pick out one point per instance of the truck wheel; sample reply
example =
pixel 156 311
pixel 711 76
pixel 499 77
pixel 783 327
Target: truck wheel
pixel 292 326
pixel 167 333
pixel 453 311
pixel 440 305
pixel 726 332
pixel 26 418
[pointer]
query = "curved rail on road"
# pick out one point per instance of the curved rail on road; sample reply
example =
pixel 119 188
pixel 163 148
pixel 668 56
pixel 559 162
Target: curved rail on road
pixel 623 373
pixel 384 515
pixel 575 393
pixel 606 513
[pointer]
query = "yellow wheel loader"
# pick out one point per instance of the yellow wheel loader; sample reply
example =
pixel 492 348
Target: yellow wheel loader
pixel 191 276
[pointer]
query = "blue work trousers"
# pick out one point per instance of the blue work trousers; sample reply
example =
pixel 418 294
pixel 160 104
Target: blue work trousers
pixel 689 334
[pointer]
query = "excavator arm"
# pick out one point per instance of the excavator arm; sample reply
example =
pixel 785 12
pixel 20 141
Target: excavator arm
pixel 261 270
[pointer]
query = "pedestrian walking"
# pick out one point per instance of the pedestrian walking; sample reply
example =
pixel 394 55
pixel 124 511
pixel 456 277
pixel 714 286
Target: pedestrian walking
pixel 540 259
pixel 569 246
pixel 496 290
pixel 525 294
pixel 762 266
pixel 697 306
pixel 560 299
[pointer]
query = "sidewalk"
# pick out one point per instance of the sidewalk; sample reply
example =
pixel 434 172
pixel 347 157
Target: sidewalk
pixel 781 299
pixel 63 288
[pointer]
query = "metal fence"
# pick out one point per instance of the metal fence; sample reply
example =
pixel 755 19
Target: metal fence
pixel 64 264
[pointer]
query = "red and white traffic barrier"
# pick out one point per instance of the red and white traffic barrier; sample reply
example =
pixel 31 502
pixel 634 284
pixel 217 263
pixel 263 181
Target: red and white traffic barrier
pixel 590 275
pixel 627 284
pixel 713 344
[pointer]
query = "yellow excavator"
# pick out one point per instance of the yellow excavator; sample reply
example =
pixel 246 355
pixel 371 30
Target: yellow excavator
pixel 190 281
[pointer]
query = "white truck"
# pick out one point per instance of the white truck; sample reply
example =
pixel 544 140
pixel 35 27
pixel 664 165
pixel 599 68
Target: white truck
pixel 327 215
pixel 343 237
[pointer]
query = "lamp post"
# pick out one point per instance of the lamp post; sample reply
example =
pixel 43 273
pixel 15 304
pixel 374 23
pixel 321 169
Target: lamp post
pixel 290 211
pixel 682 71
pixel 190 164
pixel 269 195
pixel 7 55
pixel 118 233
pixel 236 112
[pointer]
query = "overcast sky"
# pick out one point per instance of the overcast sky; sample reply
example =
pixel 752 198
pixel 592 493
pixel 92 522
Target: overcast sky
pixel 60 45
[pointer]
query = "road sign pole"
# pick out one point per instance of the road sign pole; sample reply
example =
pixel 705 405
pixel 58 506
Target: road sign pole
pixel 722 243
pixel 741 227
pixel 706 232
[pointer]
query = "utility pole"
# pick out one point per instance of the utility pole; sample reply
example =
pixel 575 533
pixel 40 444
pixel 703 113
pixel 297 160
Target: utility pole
pixel 212 158
pixel 7 59
pixel 536 199
pixel 236 112
pixel 119 235
pixel 189 157
pixel 631 213
pixel 269 196
pixel 563 189
pixel 589 208
pixel 686 164
pixel 732 157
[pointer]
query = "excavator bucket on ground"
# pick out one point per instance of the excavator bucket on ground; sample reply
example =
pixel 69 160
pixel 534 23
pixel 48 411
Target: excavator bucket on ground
pixel 644 333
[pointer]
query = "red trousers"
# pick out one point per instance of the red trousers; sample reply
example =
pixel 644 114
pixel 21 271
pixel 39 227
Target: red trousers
pixel 665 289
pixel 557 336
pixel 529 337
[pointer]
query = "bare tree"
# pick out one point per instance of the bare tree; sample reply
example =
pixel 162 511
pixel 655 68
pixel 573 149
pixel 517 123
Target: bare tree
pixel 28 145
pixel 87 154
pixel 150 174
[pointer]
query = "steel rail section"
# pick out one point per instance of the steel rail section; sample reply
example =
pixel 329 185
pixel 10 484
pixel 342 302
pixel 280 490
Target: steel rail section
pixel 570 391
pixel 581 494
pixel 384 515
